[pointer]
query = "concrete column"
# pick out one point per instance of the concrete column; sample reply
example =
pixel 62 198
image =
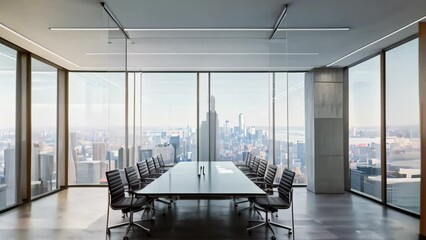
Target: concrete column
pixel 324 130
pixel 62 160
pixel 422 88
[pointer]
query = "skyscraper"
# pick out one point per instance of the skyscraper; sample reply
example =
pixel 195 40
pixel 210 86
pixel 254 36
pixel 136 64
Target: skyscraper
pixel 175 141
pixel 209 134
pixel 99 151
pixel 241 124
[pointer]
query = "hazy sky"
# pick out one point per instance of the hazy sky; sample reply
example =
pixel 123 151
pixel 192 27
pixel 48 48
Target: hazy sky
pixel 170 100
pixel 97 99
pixel 402 92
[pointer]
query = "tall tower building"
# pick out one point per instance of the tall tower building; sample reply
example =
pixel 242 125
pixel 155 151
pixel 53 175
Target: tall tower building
pixel 99 151
pixel 209 135
pixel 241 124
pixel 175 142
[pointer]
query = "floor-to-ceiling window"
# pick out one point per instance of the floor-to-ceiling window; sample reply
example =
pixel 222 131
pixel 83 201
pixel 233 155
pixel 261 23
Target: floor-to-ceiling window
pixel 402 126
pixel 364 127
pixel 235 116
pixel 7 126
pixel 43 127
pixel 239 114
pixel 96 126
pixel 400 115
pixel 289 99
pixel 168 105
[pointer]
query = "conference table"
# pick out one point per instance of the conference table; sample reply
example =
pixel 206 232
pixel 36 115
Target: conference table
pixel 202 180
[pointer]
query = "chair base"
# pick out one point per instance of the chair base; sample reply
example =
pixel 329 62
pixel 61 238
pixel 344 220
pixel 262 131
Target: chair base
pixel 251 208
pixel 269 224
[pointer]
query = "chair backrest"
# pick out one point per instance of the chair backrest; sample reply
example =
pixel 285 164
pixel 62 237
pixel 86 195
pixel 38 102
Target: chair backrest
pixel 270 175
pixel 151 165
pixel 247 160
pixel 256 165
pixel 286 185
pixel 143 169
pixel 115 186
pixel 261 170
pixel 132 178
pixel 156 162
pixel 161 160
pixel 251 161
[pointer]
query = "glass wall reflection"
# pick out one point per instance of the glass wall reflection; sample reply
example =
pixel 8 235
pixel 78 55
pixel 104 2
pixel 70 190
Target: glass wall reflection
pixel 7 126
pixel 364 128
pixel 403 127
pixel 96 126
pixel 44 91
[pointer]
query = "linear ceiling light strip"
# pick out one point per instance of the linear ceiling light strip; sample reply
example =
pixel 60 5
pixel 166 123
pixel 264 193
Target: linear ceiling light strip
pixel 203 53
pixel 279 21
pixel 36 44
pixel 83 29
pixel 114 19
pixel 378 40
pixel 199 29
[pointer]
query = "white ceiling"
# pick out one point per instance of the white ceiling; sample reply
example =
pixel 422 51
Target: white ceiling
pixel 206 50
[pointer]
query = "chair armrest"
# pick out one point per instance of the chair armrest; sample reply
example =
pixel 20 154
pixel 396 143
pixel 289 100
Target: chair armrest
pixel 144 180
pixel 251 175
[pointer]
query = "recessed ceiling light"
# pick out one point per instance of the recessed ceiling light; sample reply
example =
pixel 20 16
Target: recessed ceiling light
pixel 378 40
pixel 36 44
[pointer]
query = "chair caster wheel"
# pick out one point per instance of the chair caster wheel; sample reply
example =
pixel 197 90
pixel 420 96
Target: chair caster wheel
pixel 108 231
pixel 249 233
pixel 290 232
pixel 273 238
pixel 126 238
pixel 236 205
pixel 148 234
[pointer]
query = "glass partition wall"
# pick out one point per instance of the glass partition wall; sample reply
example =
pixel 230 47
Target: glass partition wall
pixel 221 116
pixel 8 164
pixel 394 123
pixel 240 104
pixel 163 116
pixel 403 127
pixel 96 125
pixel 364 128
pixel 44 103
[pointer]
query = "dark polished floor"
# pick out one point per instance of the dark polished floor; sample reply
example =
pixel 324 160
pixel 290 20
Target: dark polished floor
pixel 80 213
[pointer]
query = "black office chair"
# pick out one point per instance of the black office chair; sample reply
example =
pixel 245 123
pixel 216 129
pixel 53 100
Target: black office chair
pixel 117 200
pixel 136 184
pixel 261 170
pixel 250 162
pixel 144 172
pixel 158 167
pixel 245 163
pixel 253 168
pixel 133 180
pixel 266 183
pixel 254 164
pixel 151 167
pixel 284 200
